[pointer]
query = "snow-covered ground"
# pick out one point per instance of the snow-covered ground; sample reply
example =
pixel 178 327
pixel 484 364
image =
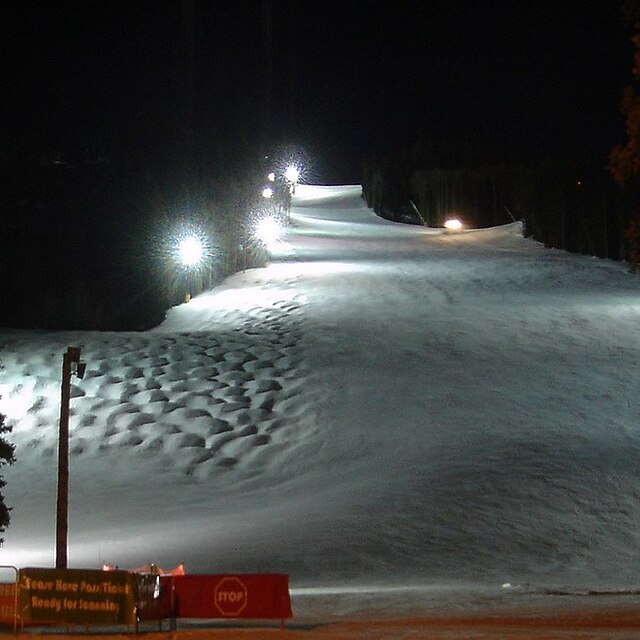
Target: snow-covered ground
pixel 389 414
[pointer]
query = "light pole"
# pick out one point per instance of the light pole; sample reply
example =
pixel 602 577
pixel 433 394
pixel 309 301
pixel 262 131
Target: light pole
pixel 292 176
pixel 291 179
pixel 190 251
pixel 70 365
pixel 268 231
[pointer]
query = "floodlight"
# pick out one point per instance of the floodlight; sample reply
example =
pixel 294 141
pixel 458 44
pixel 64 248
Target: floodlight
pixel 268 230
pixel 190 251
pixel 292 174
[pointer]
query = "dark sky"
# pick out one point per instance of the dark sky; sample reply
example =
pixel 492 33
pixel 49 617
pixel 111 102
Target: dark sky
pixel 341 78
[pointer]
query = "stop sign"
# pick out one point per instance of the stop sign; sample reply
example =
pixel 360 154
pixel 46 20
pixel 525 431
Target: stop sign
pixel 230 596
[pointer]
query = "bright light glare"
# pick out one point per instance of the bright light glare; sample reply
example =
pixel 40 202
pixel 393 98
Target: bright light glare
pixel 267 192
pixel 190 251
pixel 268 230
pixel 292 173
pixel 271 177
pixel 453 224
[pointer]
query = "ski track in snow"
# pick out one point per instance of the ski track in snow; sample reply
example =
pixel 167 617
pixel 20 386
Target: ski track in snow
pixel 202 401
pixel 382 404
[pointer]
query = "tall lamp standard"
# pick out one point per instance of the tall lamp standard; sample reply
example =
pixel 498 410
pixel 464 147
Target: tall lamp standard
pixel 71 365
pixel 292 177
pixel 190 254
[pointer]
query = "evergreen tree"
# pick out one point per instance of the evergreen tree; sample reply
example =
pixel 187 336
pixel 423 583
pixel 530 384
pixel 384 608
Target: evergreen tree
pixel 624 159
pixel 6 457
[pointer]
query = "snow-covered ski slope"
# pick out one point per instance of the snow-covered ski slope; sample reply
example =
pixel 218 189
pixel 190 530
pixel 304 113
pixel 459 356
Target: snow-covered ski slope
pixel 381 405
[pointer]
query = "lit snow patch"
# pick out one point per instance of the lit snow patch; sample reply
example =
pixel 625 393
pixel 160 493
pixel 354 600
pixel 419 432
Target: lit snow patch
pixel 15 400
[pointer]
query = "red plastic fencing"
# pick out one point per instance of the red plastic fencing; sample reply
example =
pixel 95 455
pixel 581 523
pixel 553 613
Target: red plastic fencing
pixel 7 603
pixel 258 596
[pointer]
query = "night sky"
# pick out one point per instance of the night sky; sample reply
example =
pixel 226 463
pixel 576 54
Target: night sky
pixel 342 79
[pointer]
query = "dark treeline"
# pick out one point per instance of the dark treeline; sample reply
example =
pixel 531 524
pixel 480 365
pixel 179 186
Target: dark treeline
pixel 88 242
pixel 565 203
pixel 120 130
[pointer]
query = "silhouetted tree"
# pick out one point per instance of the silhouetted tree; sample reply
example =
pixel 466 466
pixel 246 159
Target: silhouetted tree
pixel 6 457
pixel 624 159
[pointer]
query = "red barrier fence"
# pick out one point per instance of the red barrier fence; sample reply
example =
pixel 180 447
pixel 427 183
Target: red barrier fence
pixel 232 596
pixel 119 597
pixel 7 603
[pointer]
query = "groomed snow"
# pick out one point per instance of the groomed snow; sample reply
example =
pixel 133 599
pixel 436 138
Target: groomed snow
pixel 383 410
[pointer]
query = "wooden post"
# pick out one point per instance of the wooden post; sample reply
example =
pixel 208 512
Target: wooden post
pixel 62 506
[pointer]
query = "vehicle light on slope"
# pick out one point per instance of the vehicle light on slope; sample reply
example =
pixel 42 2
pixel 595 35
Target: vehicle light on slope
pixel 453 224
